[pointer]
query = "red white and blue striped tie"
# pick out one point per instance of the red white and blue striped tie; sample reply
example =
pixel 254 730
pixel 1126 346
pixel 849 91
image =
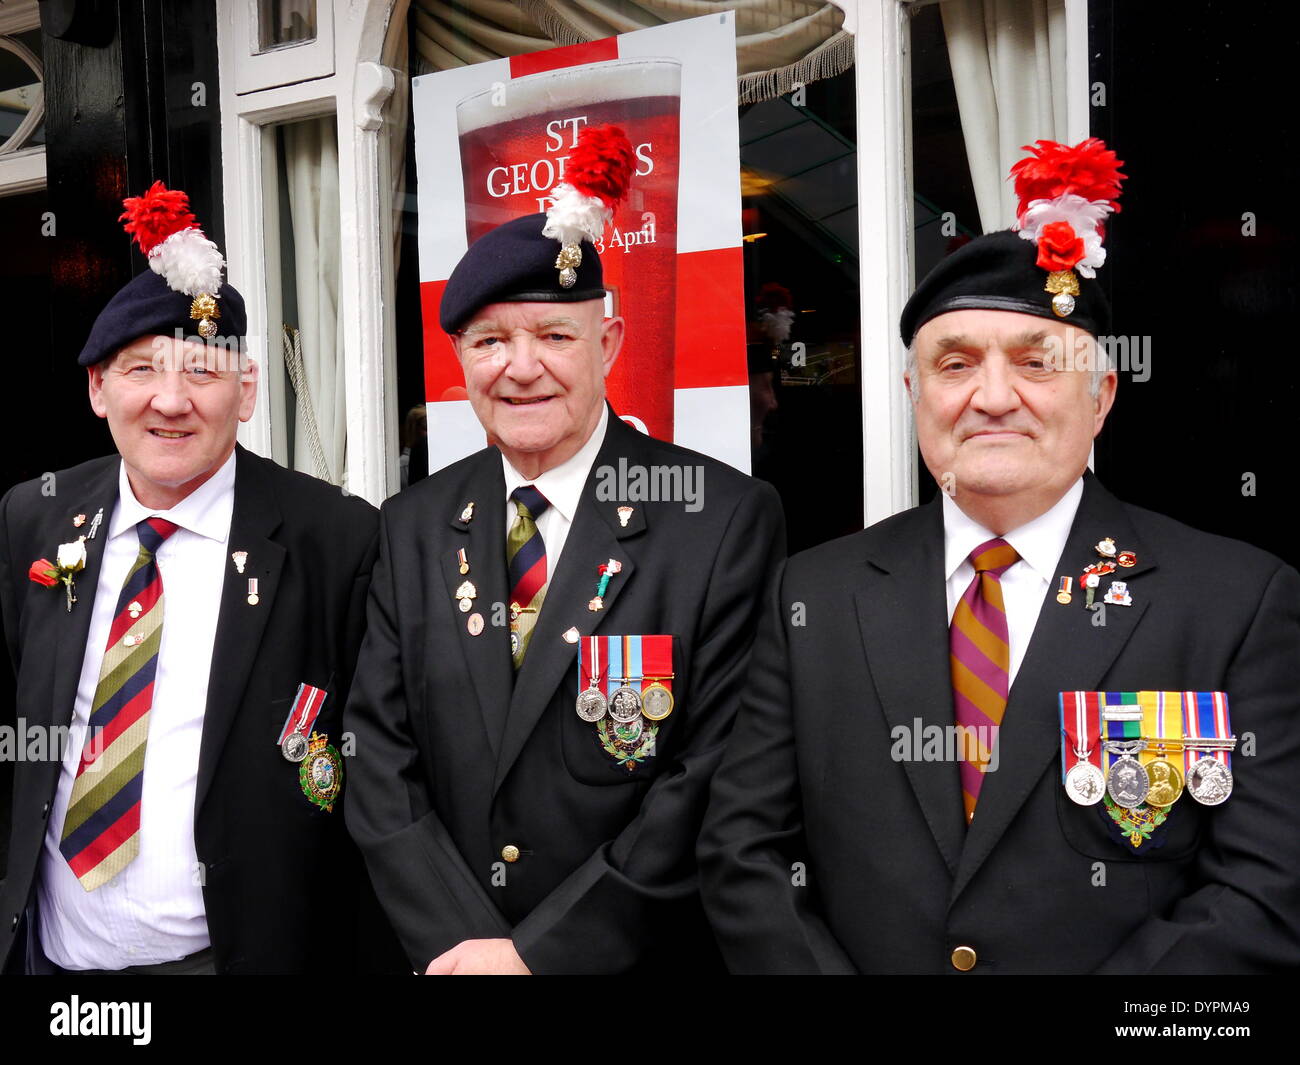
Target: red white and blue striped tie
pixel 980 657
pixel 101 830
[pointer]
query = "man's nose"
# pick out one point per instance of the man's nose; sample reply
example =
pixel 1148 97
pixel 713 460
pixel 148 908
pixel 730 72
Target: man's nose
pixel 995 390
pixel 171 398
pixel 523 364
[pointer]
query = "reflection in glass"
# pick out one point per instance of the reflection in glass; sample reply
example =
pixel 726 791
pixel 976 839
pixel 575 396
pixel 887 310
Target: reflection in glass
pixel 285 22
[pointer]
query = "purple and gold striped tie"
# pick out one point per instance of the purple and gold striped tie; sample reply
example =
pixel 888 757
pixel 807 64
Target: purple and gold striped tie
pixel 101 830
pixel 980 657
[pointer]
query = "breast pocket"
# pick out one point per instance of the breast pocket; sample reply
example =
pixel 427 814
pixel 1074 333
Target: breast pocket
pixel 1088 830
pixel 609 752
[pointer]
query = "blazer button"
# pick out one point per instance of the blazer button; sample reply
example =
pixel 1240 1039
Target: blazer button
pixel 964 958
pixel 510 852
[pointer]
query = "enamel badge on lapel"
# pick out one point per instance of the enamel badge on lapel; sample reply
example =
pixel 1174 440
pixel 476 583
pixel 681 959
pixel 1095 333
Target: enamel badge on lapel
pixel 467 515
pixel 95 523
pixel 465 596
pixel 253 596
pixel 79 521
pixel 624 513
pixel 606 571
pixel 239 558
pixel 1090 579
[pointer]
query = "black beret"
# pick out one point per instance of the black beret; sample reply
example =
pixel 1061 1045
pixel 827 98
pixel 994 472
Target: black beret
pixel 1000 272
pixel 514 263
pixel 146 306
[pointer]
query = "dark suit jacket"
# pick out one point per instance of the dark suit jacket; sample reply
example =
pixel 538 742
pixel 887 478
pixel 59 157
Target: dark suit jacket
pixel 892 881
pixel 284 886
pixel 456 758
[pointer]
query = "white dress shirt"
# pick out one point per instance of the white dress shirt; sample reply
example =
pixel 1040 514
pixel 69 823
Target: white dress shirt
pixel 152 911
pixel 1024 585
pixel 562 487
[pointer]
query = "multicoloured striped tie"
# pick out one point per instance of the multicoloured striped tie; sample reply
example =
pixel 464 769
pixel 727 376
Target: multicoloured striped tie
pixel 980 658
pixel 526 561
pixel 101 831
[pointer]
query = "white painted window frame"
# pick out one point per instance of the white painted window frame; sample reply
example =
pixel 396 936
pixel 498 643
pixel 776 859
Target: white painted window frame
pixel 356 94
pixel 21 170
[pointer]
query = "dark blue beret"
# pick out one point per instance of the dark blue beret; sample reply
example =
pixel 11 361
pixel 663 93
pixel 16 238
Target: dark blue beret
pixel 514 263
pixel 1000 272
pixel 145 306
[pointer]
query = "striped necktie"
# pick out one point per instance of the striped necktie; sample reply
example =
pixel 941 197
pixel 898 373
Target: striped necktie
pixel 980 658
pixel 526 562
pixel 101 830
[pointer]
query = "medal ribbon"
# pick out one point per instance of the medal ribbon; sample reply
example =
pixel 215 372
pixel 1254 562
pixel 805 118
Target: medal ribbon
pixel 613 663
pixel 1162 719
pixel 1205 717
pixel 303 713
pixel 1118 728
pixel 657 661
pixel 1081 726
pixel 632 661
pixel 589 663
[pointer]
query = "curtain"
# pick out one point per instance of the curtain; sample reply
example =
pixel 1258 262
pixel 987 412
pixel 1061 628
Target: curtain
pixel 1008 67
pixel 313 356
pixel 778 42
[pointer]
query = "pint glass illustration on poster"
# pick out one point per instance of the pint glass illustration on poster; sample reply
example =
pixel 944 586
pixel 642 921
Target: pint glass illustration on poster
pixel 491 142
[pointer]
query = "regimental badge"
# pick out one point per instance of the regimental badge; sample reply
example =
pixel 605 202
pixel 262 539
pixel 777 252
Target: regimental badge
pixel 628 744
pixel 321 773
pixel 467 515
pixel 1136 824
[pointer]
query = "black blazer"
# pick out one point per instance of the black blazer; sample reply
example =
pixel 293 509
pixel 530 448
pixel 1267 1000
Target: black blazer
pixel 284 888
pixel 457 759
pixel 892 881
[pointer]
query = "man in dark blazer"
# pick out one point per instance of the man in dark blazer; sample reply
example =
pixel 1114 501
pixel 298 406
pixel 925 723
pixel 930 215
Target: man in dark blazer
pixel 503 832
pixel 241 863
pixel 839 840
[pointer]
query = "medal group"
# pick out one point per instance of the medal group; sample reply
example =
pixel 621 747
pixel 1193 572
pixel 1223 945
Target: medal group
pixel 1137 752
pixel 625 690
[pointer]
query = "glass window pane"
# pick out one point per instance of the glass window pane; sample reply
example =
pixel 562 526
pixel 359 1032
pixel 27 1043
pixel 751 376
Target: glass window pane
pixel 285 22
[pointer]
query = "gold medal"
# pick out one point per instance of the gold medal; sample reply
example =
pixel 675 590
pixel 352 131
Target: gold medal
pixel 1166 783
pixel 656 702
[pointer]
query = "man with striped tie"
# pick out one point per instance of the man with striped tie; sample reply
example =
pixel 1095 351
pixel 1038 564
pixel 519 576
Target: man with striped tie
pixel 504 832
pixel 901 751
pixel 168 611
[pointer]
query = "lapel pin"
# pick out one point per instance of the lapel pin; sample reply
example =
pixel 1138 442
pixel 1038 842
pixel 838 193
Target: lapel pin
pixel 624 513
pixel 570 634
pixel 253 597
pixel 467 515
pixel 95 524
pixel 1127 559
pixel 1063 596
pixel 239 557
pixel 606 571
pixel 466 594
pixel 1118 594
pixel 134 610
pixel 474 623
pixel 463 561
pixel 79 520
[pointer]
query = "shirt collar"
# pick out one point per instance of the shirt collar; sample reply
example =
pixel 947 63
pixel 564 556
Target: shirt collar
pixel 1039 542
pixel 206 511
pixel 563 485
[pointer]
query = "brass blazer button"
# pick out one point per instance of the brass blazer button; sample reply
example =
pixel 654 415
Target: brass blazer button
pixel 963 958
pixel 510 852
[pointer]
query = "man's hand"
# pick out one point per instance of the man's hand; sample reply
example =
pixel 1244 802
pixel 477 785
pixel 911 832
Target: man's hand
pixel 479 957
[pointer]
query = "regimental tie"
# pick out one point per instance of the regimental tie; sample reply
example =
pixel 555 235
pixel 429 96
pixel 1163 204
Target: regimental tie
pixel 101 831
pixel 526 562
pixel 980 658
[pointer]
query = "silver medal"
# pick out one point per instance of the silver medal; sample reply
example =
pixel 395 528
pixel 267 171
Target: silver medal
pixel 592 704
pixel 1209 781
pixel 1127 783
pixel 625 704
pixel 294 747
pixel 1085 784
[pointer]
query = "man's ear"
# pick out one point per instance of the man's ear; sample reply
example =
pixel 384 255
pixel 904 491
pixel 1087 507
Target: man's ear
pixel 611 341
pixel 95 384
pixel 248 388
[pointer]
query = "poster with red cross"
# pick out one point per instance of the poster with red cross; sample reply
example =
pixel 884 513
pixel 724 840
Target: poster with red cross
pixel 490 143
